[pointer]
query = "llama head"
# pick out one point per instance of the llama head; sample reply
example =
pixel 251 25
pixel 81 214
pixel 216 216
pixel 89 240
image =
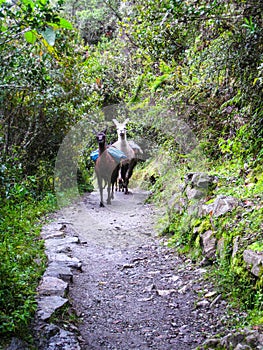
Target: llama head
pixel 101 136
pixel 121 128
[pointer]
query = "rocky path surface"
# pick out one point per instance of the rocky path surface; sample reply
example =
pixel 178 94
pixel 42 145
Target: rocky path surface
pixel 128 289
pixel 133 292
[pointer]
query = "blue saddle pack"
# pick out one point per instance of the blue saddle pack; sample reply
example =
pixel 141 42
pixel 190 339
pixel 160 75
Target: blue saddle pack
pixel 114 152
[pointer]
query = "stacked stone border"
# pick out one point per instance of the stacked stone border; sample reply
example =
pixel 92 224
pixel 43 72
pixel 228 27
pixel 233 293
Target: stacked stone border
pixel 52 291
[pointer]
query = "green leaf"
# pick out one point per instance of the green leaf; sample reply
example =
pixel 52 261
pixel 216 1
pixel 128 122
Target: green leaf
pixel 50 35
pixel 65 24
pixel 159 81
pixel 28 2
pixel 3 27
pixel 30 37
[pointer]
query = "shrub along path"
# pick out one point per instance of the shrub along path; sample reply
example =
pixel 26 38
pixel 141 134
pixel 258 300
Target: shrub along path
pixel 133 291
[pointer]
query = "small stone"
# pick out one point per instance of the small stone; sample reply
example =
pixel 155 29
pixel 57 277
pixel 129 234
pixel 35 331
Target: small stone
pixel 183 289
pixel 165 292
pixel 210 294
pixel 214 302
pixel 183 329
pixel 232 339
pixel 254 338
pixel 62 339
pixel 235 246
pixel 242 347
pixel 202 303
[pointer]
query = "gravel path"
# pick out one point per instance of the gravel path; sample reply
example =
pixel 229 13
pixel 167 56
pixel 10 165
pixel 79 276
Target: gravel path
pixel 133 291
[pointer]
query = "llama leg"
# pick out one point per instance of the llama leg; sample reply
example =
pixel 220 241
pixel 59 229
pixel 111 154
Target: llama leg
pixel 112 190
pixel 109 188
pixel 126 181
pixel 124 169
pixel 129 172
pixel 119 179
pixel 114 178
pixel 120 185
pixel 126 186
pixel 101 191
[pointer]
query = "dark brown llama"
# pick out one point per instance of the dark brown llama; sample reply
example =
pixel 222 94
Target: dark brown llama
pixel 106 168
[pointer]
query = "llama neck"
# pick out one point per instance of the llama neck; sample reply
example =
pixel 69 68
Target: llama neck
pixel 124 146
pixel 102 148
pixel 122 138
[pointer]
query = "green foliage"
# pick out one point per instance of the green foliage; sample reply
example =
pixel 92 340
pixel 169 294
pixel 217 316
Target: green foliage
pixel 198 42
pixel 239 146
pixel 165 29
pixel 33 79
pixel 239 291
pixel 257 246
pixel 22 261
pixel 95 19
pixel 198 62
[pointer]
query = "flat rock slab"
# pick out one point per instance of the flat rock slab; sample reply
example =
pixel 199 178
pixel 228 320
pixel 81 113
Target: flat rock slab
pixel 52 286
pixel 62 340
pixel 47 305
pixel 53 234
pixel 65 259
pixel 61 245
pixel 55 242
pixel 59 270
pixel 52 230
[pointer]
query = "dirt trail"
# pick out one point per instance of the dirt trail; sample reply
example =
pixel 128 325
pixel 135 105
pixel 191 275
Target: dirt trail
pixel 133 292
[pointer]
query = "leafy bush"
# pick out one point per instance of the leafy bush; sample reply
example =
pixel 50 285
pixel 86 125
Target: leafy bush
pixel 22 261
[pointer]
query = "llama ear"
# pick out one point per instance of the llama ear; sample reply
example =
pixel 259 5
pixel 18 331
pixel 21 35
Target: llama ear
pixel 126 120
pixel 115 122
pixel 105 130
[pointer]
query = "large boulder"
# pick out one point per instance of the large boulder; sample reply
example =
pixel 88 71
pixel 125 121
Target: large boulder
pixel 208 244
pixel 254 261
pixel 220 206
pixel 197 185
pixel 200 180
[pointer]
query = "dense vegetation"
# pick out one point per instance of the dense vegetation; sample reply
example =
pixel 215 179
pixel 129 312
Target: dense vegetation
pixel 188 73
